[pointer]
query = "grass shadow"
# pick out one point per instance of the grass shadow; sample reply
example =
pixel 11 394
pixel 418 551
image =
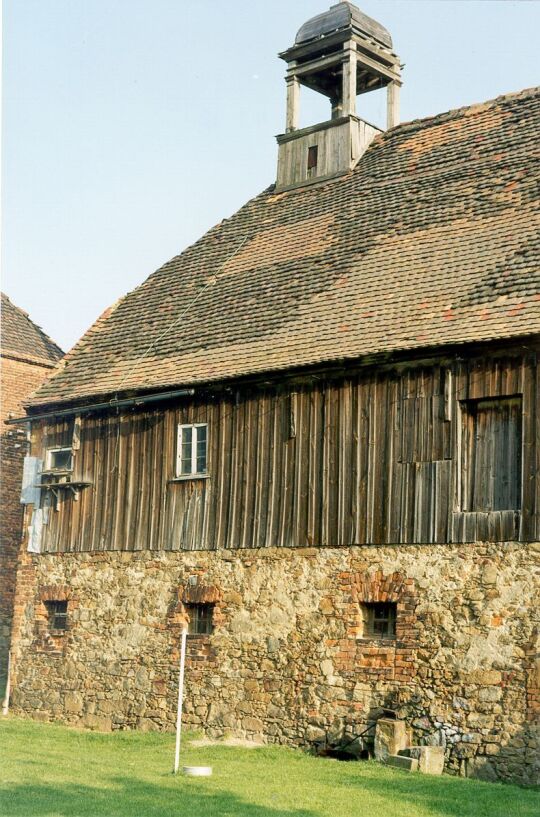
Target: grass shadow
pixel 124 797
pixel 446 795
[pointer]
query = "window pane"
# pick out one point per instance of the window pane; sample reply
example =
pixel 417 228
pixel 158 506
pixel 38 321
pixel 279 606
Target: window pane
pixel 185 467
pixel 61 460
pixel 201 449
pixel 186 450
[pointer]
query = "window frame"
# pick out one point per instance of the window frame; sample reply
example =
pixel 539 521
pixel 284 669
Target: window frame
pixel 469 492
pixel 194 473
pixel 196 620
pixel 368 614
pixel 54 616
pixel 48 457
pixel 312 158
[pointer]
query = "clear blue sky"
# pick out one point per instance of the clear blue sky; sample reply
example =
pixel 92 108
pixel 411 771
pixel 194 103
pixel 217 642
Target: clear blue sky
pixel 132 126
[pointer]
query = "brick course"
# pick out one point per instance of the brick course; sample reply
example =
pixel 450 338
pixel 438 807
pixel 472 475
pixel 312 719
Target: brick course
pixel 20 377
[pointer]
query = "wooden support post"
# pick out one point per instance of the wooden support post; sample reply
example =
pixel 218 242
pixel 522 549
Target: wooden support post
pixel 293 100
pixel 337 107
pixel 349 79
pixel 392 104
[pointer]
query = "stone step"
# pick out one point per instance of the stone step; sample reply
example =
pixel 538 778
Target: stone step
pixel 408 764
pixel 430 759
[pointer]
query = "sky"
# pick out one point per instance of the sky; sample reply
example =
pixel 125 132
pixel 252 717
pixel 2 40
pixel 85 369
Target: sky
pixel 130 127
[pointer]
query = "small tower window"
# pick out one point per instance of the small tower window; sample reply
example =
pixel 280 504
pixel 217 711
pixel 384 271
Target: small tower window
pixel 312 156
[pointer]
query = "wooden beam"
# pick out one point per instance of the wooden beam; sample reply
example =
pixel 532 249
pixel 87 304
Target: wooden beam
pixel 293 103
pixel 392 106
pixel 349 80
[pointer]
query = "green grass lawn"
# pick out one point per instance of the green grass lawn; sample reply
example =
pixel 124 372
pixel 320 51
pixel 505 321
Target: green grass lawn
pixel 52 771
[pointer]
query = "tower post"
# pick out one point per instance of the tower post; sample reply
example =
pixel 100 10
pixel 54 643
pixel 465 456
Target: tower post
pixel 392 104
pixel 349 79
pixel 293 103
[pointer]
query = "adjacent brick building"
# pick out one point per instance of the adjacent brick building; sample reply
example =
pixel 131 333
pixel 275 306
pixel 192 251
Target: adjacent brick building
pixel 28 357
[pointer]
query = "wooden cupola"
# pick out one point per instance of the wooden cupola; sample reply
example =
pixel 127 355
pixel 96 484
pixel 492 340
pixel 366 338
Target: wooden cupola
pixel 341 53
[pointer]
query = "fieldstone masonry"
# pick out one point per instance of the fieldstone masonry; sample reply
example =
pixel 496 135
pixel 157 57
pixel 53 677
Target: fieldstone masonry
pixel 288 661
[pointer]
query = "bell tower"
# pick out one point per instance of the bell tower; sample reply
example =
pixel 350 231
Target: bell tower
pixel 341 53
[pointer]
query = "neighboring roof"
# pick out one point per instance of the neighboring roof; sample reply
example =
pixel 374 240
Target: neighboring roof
pixel 433 239
pixel 20 337
pixel 342 15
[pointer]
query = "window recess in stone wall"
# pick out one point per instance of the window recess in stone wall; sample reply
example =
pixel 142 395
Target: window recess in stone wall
pixel 491 453
pixel 379 620
pixel 201 619
pixel 57 614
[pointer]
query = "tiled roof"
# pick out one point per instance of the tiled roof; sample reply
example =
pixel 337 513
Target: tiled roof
pixel 21 337
pixel 432 239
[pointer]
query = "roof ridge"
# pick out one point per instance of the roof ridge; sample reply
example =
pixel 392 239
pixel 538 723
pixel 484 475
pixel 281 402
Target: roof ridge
pixel 451 113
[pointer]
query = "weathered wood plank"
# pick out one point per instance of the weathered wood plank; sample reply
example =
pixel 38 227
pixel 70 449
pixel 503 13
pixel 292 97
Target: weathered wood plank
pixel 410 454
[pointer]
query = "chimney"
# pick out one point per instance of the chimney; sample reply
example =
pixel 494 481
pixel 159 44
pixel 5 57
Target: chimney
pixel 341 53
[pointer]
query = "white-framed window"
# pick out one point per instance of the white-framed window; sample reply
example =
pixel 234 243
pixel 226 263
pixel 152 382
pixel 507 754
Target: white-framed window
pixel 59 459
pixel 191 452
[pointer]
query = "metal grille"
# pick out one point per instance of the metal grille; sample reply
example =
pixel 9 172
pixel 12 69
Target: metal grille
pixel 57 612
pixel 381 620
pixel 200 619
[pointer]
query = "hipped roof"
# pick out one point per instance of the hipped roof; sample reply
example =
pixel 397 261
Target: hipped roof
pixel 433 239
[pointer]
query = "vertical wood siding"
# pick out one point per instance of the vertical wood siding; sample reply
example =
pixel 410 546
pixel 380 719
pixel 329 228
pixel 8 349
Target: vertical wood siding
pixel 373 458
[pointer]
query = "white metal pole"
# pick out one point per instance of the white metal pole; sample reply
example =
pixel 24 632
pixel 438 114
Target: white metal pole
pixel 5 706
pixel 180 700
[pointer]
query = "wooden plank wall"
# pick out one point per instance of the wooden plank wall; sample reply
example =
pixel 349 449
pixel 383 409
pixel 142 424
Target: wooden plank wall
pixel 339 146
pixel 370 459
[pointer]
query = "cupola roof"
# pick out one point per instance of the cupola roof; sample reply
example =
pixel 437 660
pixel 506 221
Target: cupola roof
pixel 340 16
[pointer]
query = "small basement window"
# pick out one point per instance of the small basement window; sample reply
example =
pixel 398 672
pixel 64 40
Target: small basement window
pixel 57 614
pixel 191 457
pixel 491 454
pixel 59 459
pixel 200 619
pixel 380 620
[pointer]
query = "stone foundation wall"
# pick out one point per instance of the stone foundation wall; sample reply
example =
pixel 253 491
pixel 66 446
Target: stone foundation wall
pixel 288 661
